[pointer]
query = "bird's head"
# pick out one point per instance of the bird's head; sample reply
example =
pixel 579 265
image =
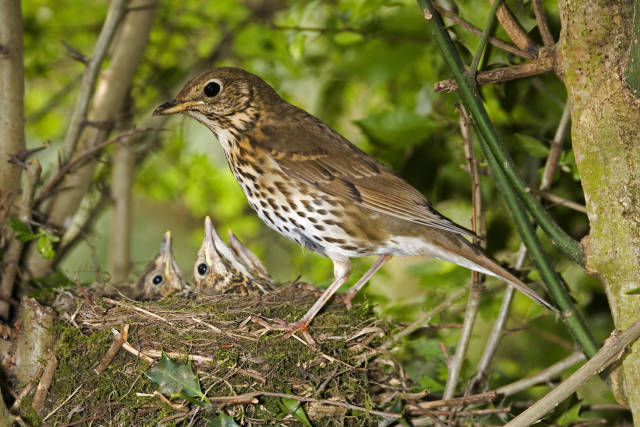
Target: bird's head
pixel 162 276
pixel 216 269
pixel 222 98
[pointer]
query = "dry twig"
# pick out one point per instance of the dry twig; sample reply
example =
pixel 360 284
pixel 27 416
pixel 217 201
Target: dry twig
pixel 119 339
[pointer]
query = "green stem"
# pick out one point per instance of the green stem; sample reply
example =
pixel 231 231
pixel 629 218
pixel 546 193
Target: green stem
pixel 500 168
pixel 483 38
pixel 472 101
pixel 632 73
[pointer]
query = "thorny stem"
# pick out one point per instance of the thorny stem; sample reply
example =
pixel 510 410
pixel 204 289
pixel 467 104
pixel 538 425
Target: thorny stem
pixel 490 138
pixel 512 187
pixel 483 38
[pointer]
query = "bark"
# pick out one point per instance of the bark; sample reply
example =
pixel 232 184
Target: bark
pixel 108 102
pixel 592 55
pixel 11 102
pixel 35 340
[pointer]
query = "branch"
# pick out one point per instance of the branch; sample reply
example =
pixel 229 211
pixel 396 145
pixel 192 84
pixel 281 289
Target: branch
pixel 473 68
pixel 612 350
pixel 478 32
pixel 513 30
pixel 114 16
pixel 88 154
pixel 556 148
pixel 543 64
pixel 543 24
pixel 543 376
pixel 509 181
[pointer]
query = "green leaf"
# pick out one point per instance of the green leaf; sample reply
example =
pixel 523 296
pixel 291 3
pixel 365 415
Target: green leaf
pixel 345 38
pixel 294 407
pixel 297 45
pixel 222 420
pixel 532 145
pixel 635 291
pixel 175 379
pixel 23 233
pixel 45 247
pixel 571 416
pixel 431 384
pixel 399 128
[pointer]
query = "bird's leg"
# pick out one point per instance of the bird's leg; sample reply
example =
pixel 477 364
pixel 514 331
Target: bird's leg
pixel 351 293
pixel 341 271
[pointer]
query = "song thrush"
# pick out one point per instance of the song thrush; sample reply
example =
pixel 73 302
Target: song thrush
pixel 219 269
pixel 161 277
pixel 315 187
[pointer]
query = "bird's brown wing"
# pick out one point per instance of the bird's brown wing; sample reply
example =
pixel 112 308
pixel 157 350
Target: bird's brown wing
pixel 312 152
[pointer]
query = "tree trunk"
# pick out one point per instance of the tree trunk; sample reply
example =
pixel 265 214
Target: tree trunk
pixel 11 102
pixel 110 96
pixel 592 54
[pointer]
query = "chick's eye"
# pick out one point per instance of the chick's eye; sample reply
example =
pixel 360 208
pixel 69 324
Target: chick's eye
pixel 212 89
pixel 157 279
pixel 202 269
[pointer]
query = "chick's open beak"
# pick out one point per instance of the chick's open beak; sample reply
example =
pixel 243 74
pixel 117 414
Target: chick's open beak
pixel 174 106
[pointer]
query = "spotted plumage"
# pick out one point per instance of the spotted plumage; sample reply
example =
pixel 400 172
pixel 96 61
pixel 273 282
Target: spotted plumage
pixel 162 276
pixel 219 269
pixel 313 186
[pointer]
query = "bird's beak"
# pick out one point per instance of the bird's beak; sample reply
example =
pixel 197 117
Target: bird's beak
pixel 174 106
pixel 167 255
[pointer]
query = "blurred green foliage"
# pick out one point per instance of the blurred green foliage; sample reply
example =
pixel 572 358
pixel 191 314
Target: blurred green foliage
pixel 367 68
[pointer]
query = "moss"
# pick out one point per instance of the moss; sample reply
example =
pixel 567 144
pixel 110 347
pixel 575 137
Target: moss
pixel 266 362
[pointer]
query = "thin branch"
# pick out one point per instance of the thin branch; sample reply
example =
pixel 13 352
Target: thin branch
pixel 79 115
pixel 556 148
pixel 478 32
pixel 612 350
pixel 475 291
pixel 78 160
pixel 119 338
pixel 513 30
pixel 561 201
pixel 64 402
pixel 543 23
pixel 543 376
pixel 423 319
pixel 488 26
pixel 419 407
pixel 42 390
pixel 543 64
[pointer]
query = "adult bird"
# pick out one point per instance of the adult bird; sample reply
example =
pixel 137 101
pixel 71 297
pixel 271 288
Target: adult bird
pixel 312 185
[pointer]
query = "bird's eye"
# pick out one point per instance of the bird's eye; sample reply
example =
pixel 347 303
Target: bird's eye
pixel 202 269
pixel 212 89
pixel 157 279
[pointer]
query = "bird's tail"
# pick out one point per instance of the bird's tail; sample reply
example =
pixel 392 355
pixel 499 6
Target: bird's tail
pixel 455 248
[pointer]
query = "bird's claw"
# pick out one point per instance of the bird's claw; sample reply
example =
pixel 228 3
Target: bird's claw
pixel 289 328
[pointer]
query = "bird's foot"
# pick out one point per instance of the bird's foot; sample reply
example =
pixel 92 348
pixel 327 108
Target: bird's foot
pixel 290 328
pixel 347 297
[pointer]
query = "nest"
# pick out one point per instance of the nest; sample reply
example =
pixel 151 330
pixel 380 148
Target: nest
pixel 105 346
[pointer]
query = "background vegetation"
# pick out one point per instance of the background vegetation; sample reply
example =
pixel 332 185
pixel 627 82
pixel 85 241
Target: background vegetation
pixel 368 69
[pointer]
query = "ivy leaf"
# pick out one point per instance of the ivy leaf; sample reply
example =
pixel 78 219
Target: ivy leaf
pixel 571 416
pixel 45 247
pixel 175 379
pixel 294 407
pixel 222 420
pixel 22 230
pixel 400 128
